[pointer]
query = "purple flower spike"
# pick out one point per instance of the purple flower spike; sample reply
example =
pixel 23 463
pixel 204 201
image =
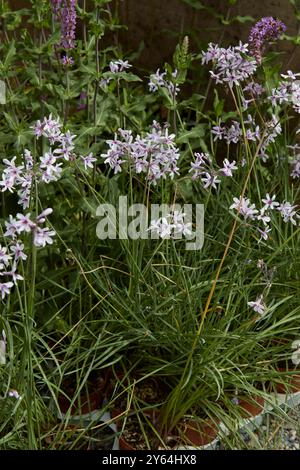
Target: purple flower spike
pixel 68 24
pixel 265 30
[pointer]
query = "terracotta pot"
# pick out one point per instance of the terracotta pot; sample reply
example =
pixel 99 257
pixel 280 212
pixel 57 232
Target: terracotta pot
pixel 198 434
pixel 292 384
pixel 191 433
pixel 124 445
pixel 251 405
pixel 152 414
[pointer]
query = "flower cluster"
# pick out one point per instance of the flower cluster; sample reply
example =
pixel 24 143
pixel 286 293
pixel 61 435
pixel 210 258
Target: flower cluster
pixel 156 154
pixel 12 254
pixel 171 225
pixel 254 90
pixel 21 178
pixel 295 163
pixel 158 81
pixel 234 133
pixel 119 66
pixel 115 67
pixel 249 212
pixel 264 31
pixel 203 168
pixel 288 91
pixel 231 65
pixel 47 169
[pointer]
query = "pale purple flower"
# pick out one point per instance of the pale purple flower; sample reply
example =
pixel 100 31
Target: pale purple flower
pixel 288 212
pixel 43 236
pixel 165 228
pixel 183 228
pixel 14 394
pixel 269 202
pixel 119 65
pixel 51 173
pixel 244 207
pixel 47 160
pixel 13 274
pixel 24 223
pixel 49 128
pixel 11 227
pixel 258 305
pixel 288 91
pixel 114 68
pixel 254 88
pixel 17 250
pixel 210 180
pixel 88 161
pixel 290 75
pixel 264 232
pixel 5 257
pixel 104 82
pixel 161 227
pixel 234 133
pixel 170 226
pixel 7 183
pixel 5 288
pixel 158 80
pixel 200 165
pixel 263 217
pixel 219 132
pixel 295 164
pixel 66 146
pixel 228 167
pixel 178 217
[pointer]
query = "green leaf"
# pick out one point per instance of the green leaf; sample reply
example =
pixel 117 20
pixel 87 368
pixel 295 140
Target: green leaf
pixel 195 133
pixel 9 56
pixel 129 77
